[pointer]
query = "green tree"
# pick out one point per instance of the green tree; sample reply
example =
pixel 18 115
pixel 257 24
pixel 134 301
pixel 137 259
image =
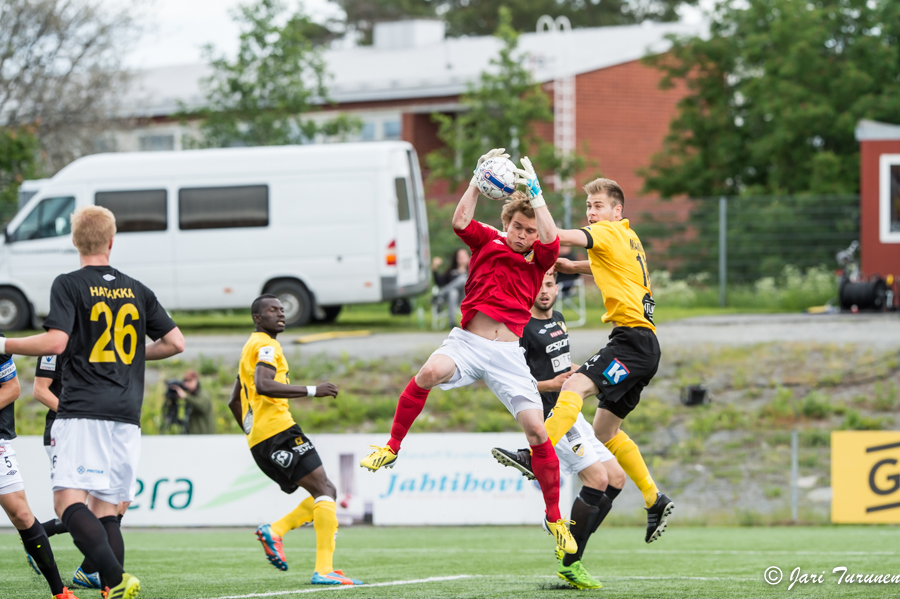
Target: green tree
pixel 361 15
pixel 19 155
pixel 774 95
pixel 479 17
pixel 278 75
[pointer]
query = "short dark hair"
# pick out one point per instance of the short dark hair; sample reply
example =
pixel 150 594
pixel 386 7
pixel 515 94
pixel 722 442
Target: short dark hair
pixel 608 187
pixel 254 307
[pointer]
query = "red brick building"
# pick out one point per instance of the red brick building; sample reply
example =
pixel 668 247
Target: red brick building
pixel 879 198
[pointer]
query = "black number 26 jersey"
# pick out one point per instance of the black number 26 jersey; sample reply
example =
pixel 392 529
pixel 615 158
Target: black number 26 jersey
pixel 107 316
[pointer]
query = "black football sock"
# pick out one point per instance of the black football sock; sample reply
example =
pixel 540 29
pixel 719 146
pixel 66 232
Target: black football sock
pixel 114 534
pixel 612 492
pixel 54 527
pixel 37 545
pixel 87 566
pixel 588 510
pixel 90 537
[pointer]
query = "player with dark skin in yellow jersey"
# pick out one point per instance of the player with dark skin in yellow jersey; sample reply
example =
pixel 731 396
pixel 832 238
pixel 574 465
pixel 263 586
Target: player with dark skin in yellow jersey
pixel 259 402
pixel 617 373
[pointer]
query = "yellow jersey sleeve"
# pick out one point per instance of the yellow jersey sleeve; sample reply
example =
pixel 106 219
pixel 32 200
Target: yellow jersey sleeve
pixel 620 270
pixel 263 416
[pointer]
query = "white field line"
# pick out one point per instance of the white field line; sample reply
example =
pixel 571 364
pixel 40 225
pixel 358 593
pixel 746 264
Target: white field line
pixel 341 587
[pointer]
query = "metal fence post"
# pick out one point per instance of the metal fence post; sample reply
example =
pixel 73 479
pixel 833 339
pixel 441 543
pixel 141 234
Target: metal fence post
pixel 567 206
pixel 723 238
pixel 795 474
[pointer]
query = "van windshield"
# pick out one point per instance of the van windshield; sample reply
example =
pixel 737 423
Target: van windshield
pixel 50 218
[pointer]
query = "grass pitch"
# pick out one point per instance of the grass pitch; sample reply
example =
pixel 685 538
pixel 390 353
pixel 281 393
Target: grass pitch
pixel 489 562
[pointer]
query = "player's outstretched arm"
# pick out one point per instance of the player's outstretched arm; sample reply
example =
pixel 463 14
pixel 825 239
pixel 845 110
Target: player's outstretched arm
pixel 465 210
pixel 166 346
pixel 547 231
pixel 234 404
pixel 51 343
pixel 264 377
pixel 570 267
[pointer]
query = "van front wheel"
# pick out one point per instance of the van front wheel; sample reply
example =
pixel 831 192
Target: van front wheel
pixel 14 310
pixel 296 301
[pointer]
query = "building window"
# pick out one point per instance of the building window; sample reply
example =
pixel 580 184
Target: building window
pixel 894 202
pixel 138 210
pixel 156 143
pixel 403 210
pixel 889 199
pixel 50 218
pixel 391 129
pixel 368 132
pixel 223 207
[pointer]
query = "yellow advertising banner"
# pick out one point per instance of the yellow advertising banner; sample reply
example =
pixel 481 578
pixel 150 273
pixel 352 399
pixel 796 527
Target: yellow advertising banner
pixel 865 477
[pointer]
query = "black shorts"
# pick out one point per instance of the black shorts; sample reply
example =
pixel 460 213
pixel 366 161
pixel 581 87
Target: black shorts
pixel 286 457
pixel 623 368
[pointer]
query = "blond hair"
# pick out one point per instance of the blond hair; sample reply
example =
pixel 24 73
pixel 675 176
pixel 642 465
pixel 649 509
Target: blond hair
pixel 93 228
pixel 608 187
pixel 517 202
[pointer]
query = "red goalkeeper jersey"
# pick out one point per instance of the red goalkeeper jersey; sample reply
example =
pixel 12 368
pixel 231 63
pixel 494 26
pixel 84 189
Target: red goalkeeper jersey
pixel 503 283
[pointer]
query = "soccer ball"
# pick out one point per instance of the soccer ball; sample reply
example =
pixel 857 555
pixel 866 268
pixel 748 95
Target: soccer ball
pixel 496 178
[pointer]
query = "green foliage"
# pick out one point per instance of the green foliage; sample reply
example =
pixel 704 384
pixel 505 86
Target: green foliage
pixel 781 407
pixel 816 405
pixel 774 95
pixel 278 75
pixel 886 397
pixel 19 153
pixel 479 17
pixel 716 418
pixel 854 421
pixel 361 15
pixel 500 111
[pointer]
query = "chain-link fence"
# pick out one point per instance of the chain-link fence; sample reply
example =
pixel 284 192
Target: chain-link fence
pixel 748 249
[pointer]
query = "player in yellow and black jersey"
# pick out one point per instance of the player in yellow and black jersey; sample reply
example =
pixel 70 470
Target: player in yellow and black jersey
pixel 617 373
pixel 282 451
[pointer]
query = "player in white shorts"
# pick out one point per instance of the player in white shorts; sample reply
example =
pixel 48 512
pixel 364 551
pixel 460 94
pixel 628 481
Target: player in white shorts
pixel 546 346
pixel 505 274
pixel 12 486
pixel 99 318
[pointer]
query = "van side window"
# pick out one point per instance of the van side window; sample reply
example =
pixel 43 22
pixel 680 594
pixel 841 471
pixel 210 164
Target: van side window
pixel 50 218
pixel 223 207
pixel 136 210
pixel 403 211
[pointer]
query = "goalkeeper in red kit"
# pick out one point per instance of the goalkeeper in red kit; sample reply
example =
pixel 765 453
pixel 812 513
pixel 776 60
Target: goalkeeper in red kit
pixel 505 275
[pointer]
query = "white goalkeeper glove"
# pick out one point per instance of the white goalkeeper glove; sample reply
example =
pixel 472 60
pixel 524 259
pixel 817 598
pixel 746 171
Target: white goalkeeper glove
pixel 501 152
pixel 528 178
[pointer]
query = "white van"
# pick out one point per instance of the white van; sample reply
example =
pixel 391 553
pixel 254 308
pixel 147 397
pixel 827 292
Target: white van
pixel 320 226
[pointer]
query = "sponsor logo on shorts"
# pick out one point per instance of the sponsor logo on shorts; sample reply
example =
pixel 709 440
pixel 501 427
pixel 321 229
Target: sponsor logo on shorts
pixel 2 450
pixel 282 458
pixel 301 449
pixel 578 450
pixel 572 435
pixel 616 372
pixel 83 470
pixel 12 472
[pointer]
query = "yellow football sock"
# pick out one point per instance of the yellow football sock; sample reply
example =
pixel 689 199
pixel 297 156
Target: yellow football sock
pixel 629 457
pixel 325 521
pixel 565 412
pixel 300 516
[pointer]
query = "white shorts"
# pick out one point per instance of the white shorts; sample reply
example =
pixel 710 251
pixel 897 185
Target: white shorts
pixel 580 448
pixel 97 456
pixel 500 364
pixel 10 476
